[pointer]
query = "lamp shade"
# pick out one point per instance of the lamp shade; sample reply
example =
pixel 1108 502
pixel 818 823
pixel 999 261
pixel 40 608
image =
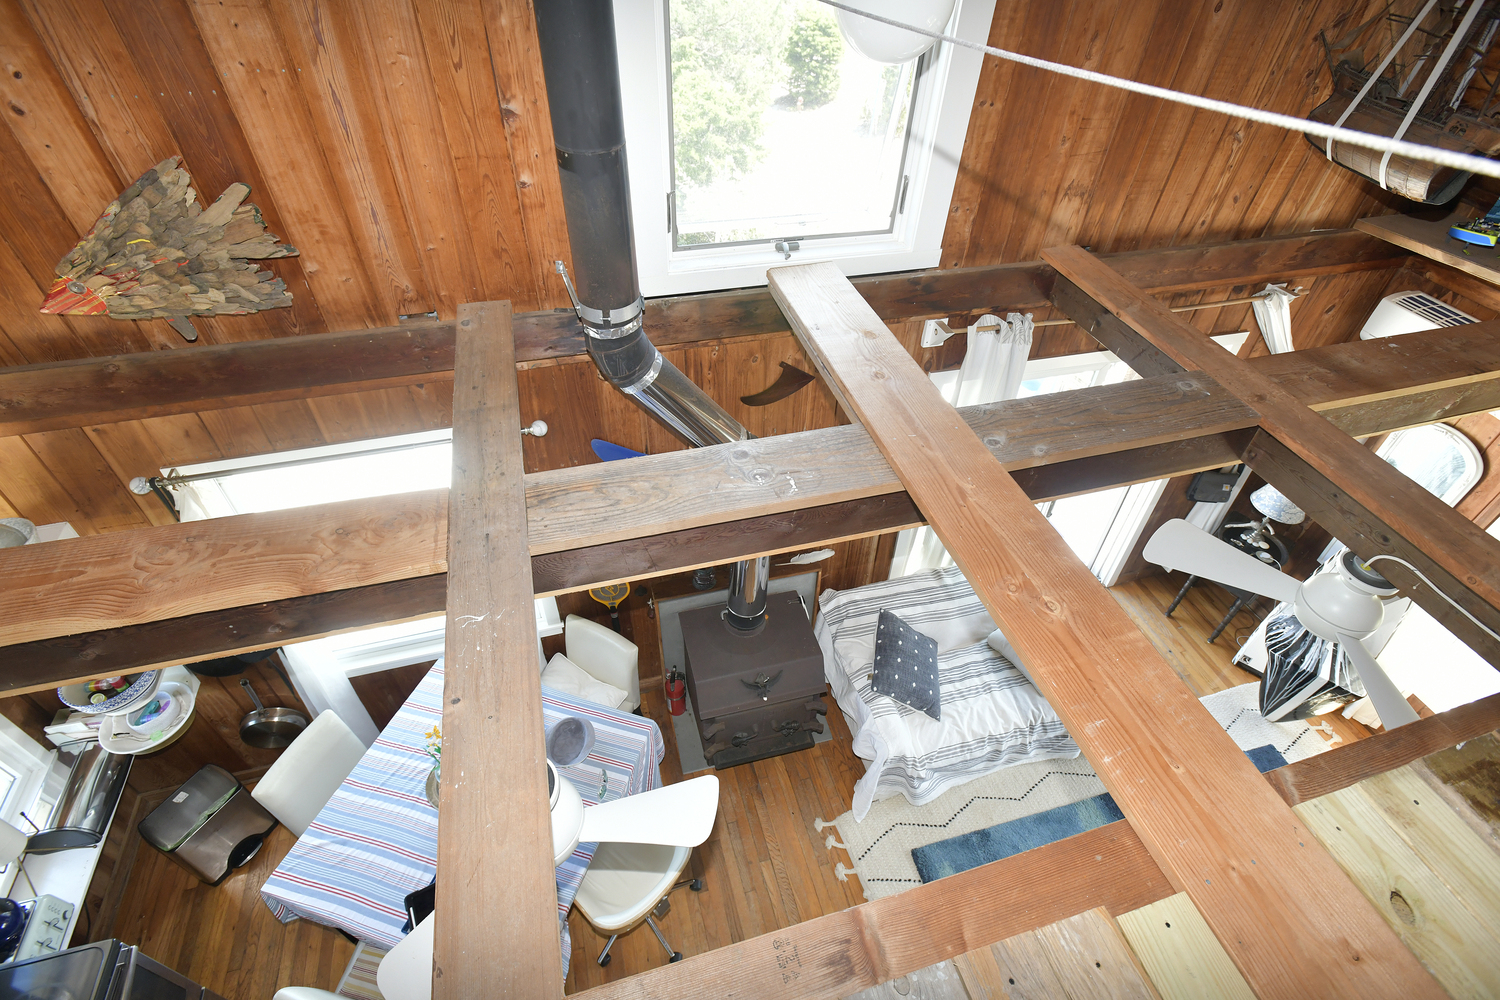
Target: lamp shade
pixel 885 44
pixel 12 843
pixel 1269 501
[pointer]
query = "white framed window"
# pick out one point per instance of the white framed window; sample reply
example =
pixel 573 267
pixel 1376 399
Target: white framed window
pixel 725 163
pixel 24 768
pixel 404 463
pixel 320 669
pixel 1100 527
pixel 1436 457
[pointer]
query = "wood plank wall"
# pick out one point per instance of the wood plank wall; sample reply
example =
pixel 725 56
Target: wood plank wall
pixel 405 148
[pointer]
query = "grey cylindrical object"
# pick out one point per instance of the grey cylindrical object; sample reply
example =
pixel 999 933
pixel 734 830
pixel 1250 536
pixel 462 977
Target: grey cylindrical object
pixel 82 815
pixel 580 62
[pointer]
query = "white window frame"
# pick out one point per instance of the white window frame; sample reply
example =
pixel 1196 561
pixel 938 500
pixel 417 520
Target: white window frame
pixel 206 498
pixel 945 97
pixel 1461 441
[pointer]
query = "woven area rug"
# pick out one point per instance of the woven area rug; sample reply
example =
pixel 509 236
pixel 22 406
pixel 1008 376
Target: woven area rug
pixel 359 978
pixel 881 846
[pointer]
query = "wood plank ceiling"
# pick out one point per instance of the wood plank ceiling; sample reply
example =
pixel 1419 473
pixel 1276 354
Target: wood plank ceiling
pixel 404 147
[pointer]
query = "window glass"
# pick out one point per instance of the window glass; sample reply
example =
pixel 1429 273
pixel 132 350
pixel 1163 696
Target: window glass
pixel 1436 457
pixel 778 129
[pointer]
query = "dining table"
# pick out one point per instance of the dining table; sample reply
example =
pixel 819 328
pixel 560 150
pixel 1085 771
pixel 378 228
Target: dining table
pixel 375 840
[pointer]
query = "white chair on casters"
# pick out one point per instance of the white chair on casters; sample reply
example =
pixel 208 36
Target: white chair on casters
pixel 606 655
pixel 309 771
pixel 627 884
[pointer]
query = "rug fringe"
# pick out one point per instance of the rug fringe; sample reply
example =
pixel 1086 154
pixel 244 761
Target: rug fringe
pixel 831 843
pixel 842 872
pixel 819 823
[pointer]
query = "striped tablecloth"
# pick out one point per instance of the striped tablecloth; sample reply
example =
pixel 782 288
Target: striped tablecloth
pixel 376 839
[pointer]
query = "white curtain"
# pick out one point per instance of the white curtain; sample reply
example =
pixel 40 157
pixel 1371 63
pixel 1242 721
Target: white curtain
pixel 993 369
pixel 995 363
pixel 1273 314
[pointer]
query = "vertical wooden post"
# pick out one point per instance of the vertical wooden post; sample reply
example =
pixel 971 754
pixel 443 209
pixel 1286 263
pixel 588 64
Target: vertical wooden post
pixel 496 930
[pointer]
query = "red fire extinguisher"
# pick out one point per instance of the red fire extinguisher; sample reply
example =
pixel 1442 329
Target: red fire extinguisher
pixel 676 692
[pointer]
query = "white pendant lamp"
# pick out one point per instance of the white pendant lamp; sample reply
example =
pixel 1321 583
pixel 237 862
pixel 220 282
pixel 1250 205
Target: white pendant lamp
pixel 885 44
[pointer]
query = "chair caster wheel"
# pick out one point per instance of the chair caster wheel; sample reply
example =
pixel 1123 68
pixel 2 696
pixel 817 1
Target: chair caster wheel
pixel 605 960
pixel 696 885
pixel 676 957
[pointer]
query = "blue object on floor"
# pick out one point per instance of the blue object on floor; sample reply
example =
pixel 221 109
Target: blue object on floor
pixel 970 850
pixel 610 452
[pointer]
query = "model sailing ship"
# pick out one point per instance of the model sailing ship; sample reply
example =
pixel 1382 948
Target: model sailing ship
pixel 1436 60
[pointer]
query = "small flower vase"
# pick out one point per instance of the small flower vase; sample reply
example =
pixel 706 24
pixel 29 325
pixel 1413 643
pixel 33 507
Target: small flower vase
pixel 434 780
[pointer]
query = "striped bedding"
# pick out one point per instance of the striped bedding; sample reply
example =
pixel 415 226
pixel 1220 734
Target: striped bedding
pixel 992 716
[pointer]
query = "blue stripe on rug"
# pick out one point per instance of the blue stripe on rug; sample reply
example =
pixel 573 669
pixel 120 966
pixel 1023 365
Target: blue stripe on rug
pixel 970 850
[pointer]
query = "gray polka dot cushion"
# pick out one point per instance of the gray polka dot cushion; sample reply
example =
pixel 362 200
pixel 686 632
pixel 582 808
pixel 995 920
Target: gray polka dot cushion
pixel 906 665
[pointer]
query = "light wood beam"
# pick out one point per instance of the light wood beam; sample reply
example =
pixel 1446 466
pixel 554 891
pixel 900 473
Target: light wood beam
pixel 1385 751
pixel 1281 907
pixel 1360 495
pixel 496 930
pixel 92 391
pixel 872 943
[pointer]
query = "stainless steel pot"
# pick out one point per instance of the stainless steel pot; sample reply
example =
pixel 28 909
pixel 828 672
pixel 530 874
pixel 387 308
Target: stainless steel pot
pixel 269 728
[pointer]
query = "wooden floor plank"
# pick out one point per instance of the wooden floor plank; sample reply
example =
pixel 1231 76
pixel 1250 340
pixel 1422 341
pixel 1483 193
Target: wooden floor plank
pixel 1456 948
pixel 1082 956
pixel 1181 955
pixel 1188 791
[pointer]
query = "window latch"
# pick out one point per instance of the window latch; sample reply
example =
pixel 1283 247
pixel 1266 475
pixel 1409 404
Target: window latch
pixel 785 248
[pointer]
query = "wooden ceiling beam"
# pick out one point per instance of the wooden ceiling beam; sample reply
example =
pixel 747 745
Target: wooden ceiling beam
pixel 1348 489
pixel 651 528
pixel 93 391
pixel 494 844
pixel 1187 790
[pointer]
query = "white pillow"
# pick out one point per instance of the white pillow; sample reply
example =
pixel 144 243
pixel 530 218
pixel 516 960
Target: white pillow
pixel 562 674
pixel 1002 645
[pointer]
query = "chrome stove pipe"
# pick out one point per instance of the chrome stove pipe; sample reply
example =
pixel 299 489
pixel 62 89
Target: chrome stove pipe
pixel 581 66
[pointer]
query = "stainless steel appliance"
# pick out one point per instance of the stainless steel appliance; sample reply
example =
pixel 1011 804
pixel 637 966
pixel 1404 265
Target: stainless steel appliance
pixel 104 970
pixel 210 825
pixel 88 800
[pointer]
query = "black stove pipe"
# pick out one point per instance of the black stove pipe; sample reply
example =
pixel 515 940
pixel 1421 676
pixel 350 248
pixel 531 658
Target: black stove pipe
pixel 581 67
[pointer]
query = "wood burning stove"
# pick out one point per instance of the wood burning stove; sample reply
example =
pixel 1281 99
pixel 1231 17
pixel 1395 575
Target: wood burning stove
pixel 755 693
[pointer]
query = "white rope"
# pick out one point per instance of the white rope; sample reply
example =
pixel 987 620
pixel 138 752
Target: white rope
pixel 1414 150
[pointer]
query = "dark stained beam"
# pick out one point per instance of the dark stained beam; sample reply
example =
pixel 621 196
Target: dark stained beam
pixel 1020 434
pixel 129 387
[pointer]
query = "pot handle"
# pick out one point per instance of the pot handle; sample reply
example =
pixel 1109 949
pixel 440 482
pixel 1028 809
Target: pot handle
pixel 245 683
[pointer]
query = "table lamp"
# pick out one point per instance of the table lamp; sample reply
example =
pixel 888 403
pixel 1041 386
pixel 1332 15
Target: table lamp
pixel 1275 507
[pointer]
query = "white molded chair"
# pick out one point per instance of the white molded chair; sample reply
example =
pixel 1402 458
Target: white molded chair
pixel 627 884
pixel 604 654
pixel 309 771
pixel 304 993
pixel 406 971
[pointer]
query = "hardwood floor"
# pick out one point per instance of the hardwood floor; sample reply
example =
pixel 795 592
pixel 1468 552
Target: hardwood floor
pixel 765 866
pixel 383 692
pixel 224 936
